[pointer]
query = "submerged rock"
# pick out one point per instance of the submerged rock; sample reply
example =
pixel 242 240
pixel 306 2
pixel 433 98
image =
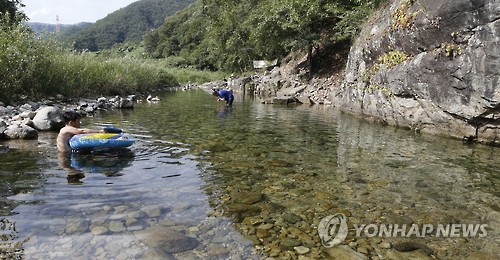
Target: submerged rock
pixel 166 239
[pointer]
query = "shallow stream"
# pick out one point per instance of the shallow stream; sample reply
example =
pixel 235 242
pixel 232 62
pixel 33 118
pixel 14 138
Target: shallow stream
pixel 253 181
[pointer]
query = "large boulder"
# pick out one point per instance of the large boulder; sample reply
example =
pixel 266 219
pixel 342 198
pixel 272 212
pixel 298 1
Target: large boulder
pixel 48 119
pixel 431 65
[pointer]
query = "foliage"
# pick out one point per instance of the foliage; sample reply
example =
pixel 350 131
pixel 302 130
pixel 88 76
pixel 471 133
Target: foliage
pixel 11 9
pixel 450 49
pixel 35 67
pixel 228 34
pixel 402 16
pixel 128 24
pixel 392 58
pixel 20 58
pixel 389 59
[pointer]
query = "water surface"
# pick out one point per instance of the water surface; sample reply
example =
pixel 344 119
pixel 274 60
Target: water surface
pixel 249 181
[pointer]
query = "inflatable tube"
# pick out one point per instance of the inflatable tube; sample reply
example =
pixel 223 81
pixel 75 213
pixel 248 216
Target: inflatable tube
pixel 111 129
pixel 104 140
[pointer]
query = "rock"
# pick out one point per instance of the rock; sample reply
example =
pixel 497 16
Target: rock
pixel 99 230
pixel 480 256
pixel 291 218
pixel 442 84
pixel 283 100
pixel 28 114
pixel 384 245
pixel 247 197
pixel 125 103
pixel 48 119
pixel 262 233
pixel 2 130
pixel 246 210
pixel 344 252
pixel 154 253
pixel 152 211
pixel 289 243
pixel 4 149
pixel 301 250
pixel 167 239
pixel 116 226
pixel 416 254
pixel 21 132
pixel 411 246
pixel 290 92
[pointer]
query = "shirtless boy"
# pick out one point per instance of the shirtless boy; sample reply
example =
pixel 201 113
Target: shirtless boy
pixel 72 127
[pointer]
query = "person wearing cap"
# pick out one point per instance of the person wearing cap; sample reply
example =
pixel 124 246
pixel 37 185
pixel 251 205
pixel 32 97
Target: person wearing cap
pixel 225 95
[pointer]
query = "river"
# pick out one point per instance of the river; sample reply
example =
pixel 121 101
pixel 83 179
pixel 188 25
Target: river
pixel 203 181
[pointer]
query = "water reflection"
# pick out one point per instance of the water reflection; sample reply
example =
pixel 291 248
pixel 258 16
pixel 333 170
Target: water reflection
pixel 224 111
pixel 74 175
pixel 110 162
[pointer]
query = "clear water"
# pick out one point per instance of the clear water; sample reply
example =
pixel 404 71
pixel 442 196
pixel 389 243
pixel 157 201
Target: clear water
pixel 217 176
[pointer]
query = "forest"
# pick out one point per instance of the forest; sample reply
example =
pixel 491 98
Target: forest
pixel 202 41
pixel 228 35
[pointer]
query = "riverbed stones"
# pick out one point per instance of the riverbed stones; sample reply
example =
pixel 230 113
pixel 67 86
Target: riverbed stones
pixel 344 252
pixel 291 218
pixel 166 239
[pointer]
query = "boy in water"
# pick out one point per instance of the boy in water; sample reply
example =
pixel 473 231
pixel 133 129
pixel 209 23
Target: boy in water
pixel 224 95
pixel 72 127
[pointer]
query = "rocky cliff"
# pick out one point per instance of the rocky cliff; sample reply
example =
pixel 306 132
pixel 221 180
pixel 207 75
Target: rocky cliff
pixel 432 65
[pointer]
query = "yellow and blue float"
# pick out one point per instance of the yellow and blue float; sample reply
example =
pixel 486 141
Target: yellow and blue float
pixel 100 140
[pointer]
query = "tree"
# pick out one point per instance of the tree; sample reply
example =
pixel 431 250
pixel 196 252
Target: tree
pixel 228 34
pixel 12 9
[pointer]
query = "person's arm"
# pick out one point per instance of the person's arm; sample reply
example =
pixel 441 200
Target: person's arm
pixel 91 131
pixel 78 131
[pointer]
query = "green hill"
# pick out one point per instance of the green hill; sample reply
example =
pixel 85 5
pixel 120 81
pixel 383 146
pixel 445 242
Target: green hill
pixel 127 24
pixel 67 30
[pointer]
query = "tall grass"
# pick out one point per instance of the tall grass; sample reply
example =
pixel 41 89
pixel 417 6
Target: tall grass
pixel 34 68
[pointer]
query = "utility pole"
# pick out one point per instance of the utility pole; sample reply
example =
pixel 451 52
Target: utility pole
pixel 58 26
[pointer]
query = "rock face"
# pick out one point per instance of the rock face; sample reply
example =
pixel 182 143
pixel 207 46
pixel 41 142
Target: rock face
pixel 430 65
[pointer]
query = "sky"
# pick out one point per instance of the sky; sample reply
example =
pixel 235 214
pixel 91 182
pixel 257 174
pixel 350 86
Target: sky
pixel 71 11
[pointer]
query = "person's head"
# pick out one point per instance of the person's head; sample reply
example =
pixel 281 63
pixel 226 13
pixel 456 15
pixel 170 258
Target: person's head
pixel 215 93
pixel 72 117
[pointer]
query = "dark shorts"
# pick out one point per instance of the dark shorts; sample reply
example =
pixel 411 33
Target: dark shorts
pixel 230 101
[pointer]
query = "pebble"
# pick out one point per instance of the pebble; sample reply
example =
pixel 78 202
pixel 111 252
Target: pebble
pixel 301 250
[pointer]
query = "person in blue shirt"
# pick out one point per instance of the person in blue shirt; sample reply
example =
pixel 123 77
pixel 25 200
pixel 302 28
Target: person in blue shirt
pixel 225 95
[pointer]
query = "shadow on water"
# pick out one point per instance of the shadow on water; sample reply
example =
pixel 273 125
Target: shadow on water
pixel 109 162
